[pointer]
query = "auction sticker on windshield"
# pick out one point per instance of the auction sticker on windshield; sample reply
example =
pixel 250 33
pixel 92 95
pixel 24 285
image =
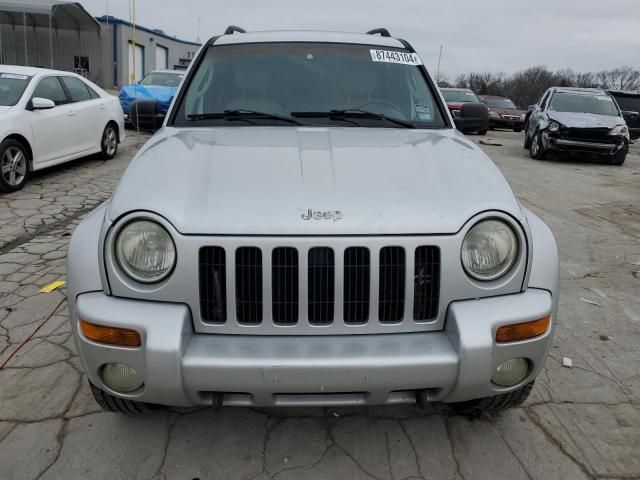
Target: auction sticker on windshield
pixel 14 76
pixel 389 56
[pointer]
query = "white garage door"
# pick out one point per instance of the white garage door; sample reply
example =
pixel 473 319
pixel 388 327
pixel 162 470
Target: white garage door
pixel 162 58
pixel 136 69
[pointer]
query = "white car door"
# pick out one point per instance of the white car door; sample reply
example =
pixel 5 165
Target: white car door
pixel 89 113
pixel 52 129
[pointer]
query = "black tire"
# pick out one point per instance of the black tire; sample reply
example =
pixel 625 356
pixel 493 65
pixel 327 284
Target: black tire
pixel 14 166
pixel 517 130
pixel 536 149
pixel 109 141
pixel 619 158
pixel 504 401
pixel 482 132
pixel 109 403
pixel 527 140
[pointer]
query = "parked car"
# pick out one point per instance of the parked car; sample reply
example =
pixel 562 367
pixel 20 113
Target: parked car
pixel 49 117
pixel 578 121
pixel 503 113
pixel 247 259
pixel 459 99
pixel 629 103
pixel 145 103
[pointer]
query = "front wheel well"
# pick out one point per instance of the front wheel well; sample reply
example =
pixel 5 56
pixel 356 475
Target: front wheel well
pixel 25 143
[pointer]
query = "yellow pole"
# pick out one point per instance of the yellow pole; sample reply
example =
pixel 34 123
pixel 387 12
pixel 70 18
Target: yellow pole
pixel 132 13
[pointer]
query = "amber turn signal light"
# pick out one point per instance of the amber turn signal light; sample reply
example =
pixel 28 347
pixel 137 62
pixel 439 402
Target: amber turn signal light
pixel 110 335
pixel 522 331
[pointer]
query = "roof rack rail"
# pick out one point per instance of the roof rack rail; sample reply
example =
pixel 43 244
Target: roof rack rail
pixel 231 29
pixel 379 31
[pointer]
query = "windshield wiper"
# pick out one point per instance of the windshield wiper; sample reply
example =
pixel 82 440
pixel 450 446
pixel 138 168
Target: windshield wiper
pixel 243 114
pixel 346 113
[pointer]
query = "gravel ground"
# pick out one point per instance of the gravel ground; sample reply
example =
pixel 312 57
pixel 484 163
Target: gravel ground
pixel 582 422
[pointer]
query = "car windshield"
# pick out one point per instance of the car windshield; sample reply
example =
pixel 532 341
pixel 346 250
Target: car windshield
pixel 580 103
pixel 462 96
pixel 162 79
pixel 314 83
pixel 500 103
pixel 12 87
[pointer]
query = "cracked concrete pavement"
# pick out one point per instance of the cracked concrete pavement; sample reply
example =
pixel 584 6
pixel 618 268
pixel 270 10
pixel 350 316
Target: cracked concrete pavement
pixel 580 423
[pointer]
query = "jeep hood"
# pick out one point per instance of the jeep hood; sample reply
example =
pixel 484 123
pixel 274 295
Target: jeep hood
pixel 585 120
pixel 261 180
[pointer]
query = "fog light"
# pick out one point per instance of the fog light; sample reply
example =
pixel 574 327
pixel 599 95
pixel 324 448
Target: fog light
pixel 511 372
pixel 120 377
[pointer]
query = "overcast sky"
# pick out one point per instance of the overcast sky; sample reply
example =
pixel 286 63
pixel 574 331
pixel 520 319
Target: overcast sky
pixel 477 35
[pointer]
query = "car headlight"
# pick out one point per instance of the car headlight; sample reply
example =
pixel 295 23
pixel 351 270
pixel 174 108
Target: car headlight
pixel 493 114
pixel 621 130
pixel 523 117
pixel 553 126
pixel 489 249
pixel 145 251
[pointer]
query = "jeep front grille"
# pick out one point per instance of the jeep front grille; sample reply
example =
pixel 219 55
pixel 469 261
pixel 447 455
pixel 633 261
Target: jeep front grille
pixel 319 286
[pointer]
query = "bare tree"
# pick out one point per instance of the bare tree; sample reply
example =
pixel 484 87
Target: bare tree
pixel 622 78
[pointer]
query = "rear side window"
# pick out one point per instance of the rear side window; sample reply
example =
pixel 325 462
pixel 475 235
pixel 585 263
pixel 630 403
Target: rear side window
pixel 50 89
pixel 77 89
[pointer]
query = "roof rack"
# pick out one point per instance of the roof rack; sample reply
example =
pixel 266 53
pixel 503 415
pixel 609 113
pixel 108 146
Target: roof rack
pixel 379 31
pixel 231 29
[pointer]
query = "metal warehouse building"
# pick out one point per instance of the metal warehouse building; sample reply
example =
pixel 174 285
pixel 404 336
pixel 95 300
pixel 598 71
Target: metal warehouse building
pixel 64 36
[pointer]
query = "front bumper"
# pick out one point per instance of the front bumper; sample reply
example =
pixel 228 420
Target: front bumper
pixel 505 123
pixel 557 143
pixel 184 368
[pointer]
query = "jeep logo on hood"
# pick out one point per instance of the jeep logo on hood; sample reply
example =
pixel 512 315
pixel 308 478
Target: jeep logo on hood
pixel 334 215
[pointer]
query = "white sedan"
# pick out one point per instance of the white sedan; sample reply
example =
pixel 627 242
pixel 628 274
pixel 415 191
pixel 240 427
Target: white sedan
pixel 49 117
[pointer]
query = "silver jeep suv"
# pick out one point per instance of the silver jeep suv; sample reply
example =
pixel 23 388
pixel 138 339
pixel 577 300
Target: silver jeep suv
pixel 309 228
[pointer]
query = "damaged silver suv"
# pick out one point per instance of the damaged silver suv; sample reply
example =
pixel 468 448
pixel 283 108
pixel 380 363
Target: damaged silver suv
pixel 309 228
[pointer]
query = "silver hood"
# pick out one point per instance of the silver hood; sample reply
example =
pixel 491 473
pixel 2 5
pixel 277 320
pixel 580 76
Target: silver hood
pixel 261 180
pixel 585 120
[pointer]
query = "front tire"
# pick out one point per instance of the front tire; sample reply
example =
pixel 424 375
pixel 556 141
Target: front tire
pixel 14 166
pixel 619 158
pixel 109 141
pixel 109 403
pixel 500 402
pixel 537 150
pixel 482 132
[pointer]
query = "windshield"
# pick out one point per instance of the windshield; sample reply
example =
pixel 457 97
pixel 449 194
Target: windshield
pixel 162 79
pixel 12 87
pixel 581 103
pixel 308 81
pixel 500 103
pixel 462 96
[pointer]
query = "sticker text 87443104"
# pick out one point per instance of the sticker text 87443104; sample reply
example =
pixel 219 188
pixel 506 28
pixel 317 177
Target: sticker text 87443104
pixel 391 56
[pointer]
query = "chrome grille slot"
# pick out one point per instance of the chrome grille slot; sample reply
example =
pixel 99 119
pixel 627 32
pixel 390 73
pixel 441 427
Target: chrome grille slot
pixel 392 285
pixel 213 284
pixel 249 285
pixel 284 285
pixel 426 286
pixel 357 265
pixel 321 285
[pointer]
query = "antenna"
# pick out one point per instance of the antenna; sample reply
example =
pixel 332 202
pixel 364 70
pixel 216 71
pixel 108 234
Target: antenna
pixel 198 35
pixel 438 72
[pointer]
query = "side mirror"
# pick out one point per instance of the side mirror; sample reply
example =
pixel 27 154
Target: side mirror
pixel 459 123
pixel 38 103
pixel 531 108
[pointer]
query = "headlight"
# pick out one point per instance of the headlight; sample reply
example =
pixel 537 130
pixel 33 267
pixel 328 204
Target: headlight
pixel 493 114
pixel 622 130
pixel 145 251
pixel 553 126
pixel 489 250
pixel 523 117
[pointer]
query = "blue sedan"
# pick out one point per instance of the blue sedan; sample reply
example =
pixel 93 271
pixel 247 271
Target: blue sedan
pixel 156 90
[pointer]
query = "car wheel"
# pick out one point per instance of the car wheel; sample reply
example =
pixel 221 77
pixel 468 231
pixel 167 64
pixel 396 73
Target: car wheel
pixel 109 142
pixel 517 130
pixel 503 401
pixel 482 132
pixel 14 166
pixel 527 140
pixel 619 158
pixel 536 150
pixel 110 403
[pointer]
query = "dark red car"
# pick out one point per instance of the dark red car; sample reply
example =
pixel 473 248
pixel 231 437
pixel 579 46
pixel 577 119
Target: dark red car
pixel 457 100
pixel 503 113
